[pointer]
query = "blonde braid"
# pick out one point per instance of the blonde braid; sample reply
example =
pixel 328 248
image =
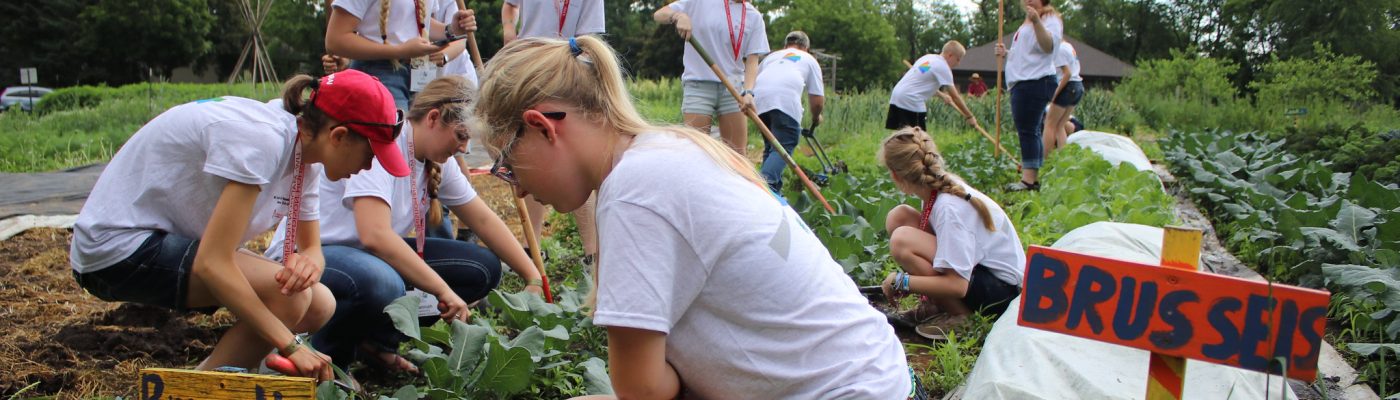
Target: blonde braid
pixel 384 29
pixel 434 171
pixel 911 155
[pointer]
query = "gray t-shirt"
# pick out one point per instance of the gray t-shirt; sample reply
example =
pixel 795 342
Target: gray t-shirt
pixel 752 305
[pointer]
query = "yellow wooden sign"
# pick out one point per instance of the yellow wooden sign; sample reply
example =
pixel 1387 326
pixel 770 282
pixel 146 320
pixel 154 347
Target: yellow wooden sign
pixel 182 384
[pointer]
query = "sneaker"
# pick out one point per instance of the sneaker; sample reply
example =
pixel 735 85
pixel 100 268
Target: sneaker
pixel 1023 186
pixel 939 327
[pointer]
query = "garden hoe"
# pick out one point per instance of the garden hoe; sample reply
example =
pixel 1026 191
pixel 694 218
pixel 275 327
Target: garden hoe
pixel 828 168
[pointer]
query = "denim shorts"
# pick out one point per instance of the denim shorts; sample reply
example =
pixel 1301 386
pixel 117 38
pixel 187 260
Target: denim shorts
pixel 157 274
pixel 394 79
pixel 707 98
pixel 1071 95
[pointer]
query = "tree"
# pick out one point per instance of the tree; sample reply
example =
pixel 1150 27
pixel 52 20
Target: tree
pixel 40 34
pixel 126 37
pixel 852 29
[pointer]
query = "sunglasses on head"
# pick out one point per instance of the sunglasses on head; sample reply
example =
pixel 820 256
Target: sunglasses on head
pixel 395 128
pixel 502 168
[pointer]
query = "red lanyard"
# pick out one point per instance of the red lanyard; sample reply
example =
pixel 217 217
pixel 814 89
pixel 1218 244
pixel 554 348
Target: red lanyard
pixel 743 21
pixel 419 228
pixel 563 13
pixel 928 210
pixel 289 244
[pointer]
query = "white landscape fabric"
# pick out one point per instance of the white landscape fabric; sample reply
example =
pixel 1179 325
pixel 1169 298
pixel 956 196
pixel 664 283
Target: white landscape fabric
pixel 1117 149
pixel 1026 363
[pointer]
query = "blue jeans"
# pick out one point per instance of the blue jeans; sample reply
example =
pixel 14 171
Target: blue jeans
pixel 786 130
pixel 1028 101
pixel 363 284
pixel 396 80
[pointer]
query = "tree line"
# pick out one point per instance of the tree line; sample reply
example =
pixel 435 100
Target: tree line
pixel 124 41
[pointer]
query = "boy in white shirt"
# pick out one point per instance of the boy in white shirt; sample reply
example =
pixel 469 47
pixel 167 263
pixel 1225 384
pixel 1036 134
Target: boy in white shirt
pixel 929 74
pixel 778 94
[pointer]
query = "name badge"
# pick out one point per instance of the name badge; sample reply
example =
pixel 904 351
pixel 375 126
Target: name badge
pixel 423 71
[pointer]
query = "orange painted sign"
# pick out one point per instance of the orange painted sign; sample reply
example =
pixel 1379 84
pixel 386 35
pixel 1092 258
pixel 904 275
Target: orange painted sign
pixel 1202 316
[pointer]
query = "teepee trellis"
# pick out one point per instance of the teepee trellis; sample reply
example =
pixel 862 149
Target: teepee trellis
pixel 254 13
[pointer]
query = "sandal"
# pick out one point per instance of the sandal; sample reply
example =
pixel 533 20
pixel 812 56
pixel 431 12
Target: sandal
pixel 381 359
pixel 940 327
pixel 913 317
pixel 1023 186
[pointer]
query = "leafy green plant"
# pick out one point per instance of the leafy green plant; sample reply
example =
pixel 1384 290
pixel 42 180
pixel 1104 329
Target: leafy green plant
pixel 527 349
pixel 1079 188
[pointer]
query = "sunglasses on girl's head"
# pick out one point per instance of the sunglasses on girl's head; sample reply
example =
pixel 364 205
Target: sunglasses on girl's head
pixel 502 168
pixel 395 128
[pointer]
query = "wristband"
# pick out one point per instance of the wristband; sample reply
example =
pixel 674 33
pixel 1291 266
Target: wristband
pixel 290 348
pixel 535 282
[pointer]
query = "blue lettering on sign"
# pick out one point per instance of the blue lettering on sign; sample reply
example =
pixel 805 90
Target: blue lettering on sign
pixel 1045 280
pixel 1094 286
pixel 1229 335
pixel 1170 311
pixel 151 387
pixel 1127 323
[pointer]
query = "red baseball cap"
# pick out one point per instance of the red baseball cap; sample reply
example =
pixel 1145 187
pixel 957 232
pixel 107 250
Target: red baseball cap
pixel 364 105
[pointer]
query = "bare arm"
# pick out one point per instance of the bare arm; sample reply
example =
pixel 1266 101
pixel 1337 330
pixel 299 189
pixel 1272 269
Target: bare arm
pixel 1064 80
pixel 958 103
pixel 751 71
pixel 214 263
pixel 666 15
pixel 638 367
pixel 373 222
pixel 816 103
pixel 497 237
pixel 1042 35
pixel 509 13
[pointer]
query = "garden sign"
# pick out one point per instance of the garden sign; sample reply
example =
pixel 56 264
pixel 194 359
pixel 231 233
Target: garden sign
pixel 1175 312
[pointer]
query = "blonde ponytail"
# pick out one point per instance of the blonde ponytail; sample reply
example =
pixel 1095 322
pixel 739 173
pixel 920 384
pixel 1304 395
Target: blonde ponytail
pixel 911 156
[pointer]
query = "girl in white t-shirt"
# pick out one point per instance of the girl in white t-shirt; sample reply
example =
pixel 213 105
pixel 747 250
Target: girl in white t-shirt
pixel 1030 73
pixel 735 36
pixel 370 257
pixel 393 40
pixel 707 283
pixel 165 222
pixel 1067 95
pixel 960 252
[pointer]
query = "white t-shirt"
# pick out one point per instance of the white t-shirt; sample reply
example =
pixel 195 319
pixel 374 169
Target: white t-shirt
pixel 1066 55
pixel 753 305
pixel 462 65
pixel 928 74
pixel 540 18
pixel 170 174
pixel 710 26
pixel 1024 60
pixel 402 23
pixel 781 77
pixel 963 242
pixel 338 198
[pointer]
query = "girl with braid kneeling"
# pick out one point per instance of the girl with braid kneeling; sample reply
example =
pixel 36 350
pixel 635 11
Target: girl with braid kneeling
pixel 960 252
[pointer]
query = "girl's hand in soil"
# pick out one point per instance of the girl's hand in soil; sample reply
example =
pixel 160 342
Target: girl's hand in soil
pixel 312 364
pixel 299 272
pixel 453 307
pixel 888 287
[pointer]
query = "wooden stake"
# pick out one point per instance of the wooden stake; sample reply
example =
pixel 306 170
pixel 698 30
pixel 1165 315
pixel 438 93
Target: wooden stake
pixel 1000 61
pixel 529 229
pixel 767 134
pixel 471 42
pixel 1181 249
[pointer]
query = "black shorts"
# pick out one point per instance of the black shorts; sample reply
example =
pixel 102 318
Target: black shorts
pixel 899 118
pixel 988 294
pixel 1078 125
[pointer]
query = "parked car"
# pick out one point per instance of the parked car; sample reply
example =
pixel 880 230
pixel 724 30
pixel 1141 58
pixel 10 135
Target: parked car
pixel 22 97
